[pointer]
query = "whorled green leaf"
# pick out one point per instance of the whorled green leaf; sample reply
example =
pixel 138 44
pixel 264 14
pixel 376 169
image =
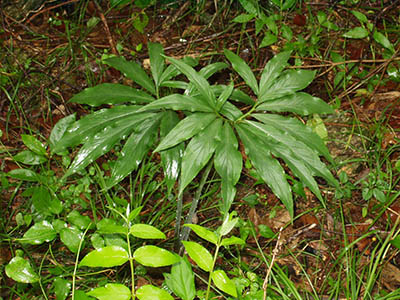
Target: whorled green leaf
pixel 29 158
pixel 267 167
pixel 237 95
pixel 109 256
pixel 156 61
pixel 170 158
pixel 204 233
pixel 110 226
pixel 145 231
pixel 24 174
pixel 240 66
pixel 185 129
pixel 298 130
pixel 71 237
pixel 111 93
pixel 299 149
pixel 111 291
pixel 356 33
pixel 175 84
pixel 80 131
pixel 178 102
pixel 211 69
pixel 222 281
pixel 102 142
pixel 44 202
pixel 230 111
pixel 233 240
pixel 135 148
pixel 300 103
pixel 272 70
pixel 198 80
pixel 39 233
pixel 228 164
pixel 34 144
pixel 171 71
pixel 288 83
pixel 133 71
pixel 59 129
pixel 198 152
pixel 150 292
pixel 62 287
pixel 224 96
pixel 20 270
pixel 153 256
pixel 181 280
pixel 199 254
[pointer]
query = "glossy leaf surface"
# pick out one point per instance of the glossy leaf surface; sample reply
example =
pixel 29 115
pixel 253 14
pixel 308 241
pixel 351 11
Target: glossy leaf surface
pixel 111 93
pixel 34 144
pixel 150 292
pixel 243 69
pixel 24 174
pixel 272 70
pixel 59 129
pixel 29 158
pixel 178 102
pixel 156 61
pixel 198 152
pixel 153 256
pixel 71 237
pixel 204 233
pixel 145 231
pixel 39 233
pixel 62 287
pixel 300 103
pixel 133 71
pixel 233 240
pixel 199 254
pixel 110 226
pixel 222 281
pixel 109 256
pixel 181 280
pixel 185 129
pixel 20 270
pixel 111 291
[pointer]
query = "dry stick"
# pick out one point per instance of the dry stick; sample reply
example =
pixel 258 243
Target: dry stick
pixel 274 254
pixel 109 36
pixel 49 8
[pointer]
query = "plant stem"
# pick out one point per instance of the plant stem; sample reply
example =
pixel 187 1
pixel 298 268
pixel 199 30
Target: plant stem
pixel 212 268
pixel 132 267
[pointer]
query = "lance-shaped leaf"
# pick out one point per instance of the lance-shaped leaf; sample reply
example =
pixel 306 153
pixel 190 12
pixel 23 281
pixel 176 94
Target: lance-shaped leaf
pixel 171 71
pixel 145 231
pixel 133 71
pixel 228 164
pixel 80 131
pixel 181 280
pixel 135 148
pixel 288 83
pixel 150 292
pixel 299 103
pixel 153 256
pixel 59 129
pixel 115 291
pixel 198 152
pixel 111 93
pixel 268 168
pixel 204 233
pixel 226 93
pixel 199 254
pixel 211 69
pixel 156 61
pixel 230 111
pixel 299 150
pixel 272 70
pixel 170 158
pixel 103 141
pixel 298 130
pixel 222 281
pixel 243 69
pixel 199 81
pixel 185 129
pixel 237 95
pixel 178 102
pixel 106 257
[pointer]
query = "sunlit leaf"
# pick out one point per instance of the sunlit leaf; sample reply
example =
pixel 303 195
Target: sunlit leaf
pixel 153 256
pixel 204 233
pixel 110 226
pixel 59 129
pixel 145 231
pixel 20 270
pixel 181 280
pixel 233 240
pixel 199 254
pixel 71 237
pixel 111 291
pixel 150 292
pixel 222 281
pixel 29 158
pixel 109 256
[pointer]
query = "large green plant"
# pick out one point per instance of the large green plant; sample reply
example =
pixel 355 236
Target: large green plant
pixel 216 118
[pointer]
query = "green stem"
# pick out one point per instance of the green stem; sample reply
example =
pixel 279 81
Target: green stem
pixel 77 261
pixel 212 268
pixel 244 116
pixel 132 266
